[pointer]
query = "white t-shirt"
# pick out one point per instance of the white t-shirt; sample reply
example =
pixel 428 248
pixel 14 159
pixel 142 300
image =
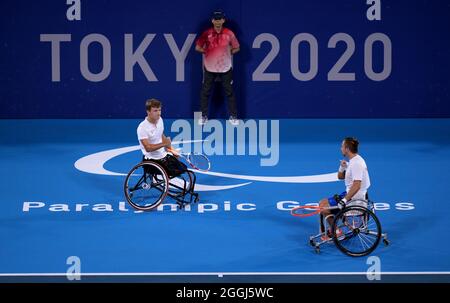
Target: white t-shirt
pixel 153 133
pixel 357 170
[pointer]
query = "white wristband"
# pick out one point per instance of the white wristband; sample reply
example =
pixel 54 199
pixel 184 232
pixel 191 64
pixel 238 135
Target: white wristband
pixel 341 169
pixel 344 200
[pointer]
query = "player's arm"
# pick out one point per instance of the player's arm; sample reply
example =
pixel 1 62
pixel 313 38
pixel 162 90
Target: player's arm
pixel 152 147
pixel 199 48
pixel 342 168
pixel 168 141
pixel 235 47
pixel 200 44
pixel 356 186
pixel 169 147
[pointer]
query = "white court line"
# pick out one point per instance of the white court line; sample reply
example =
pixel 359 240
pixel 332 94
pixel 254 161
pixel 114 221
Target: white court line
pixel 229 273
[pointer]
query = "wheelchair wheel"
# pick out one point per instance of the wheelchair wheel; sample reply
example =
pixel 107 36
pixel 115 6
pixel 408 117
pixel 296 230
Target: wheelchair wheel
pixel 356 231
pixel 146 186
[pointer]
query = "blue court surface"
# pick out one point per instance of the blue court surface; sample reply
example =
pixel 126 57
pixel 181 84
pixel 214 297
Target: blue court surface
pixel 241 229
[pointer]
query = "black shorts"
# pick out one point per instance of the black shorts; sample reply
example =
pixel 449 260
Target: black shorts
pixel 171 165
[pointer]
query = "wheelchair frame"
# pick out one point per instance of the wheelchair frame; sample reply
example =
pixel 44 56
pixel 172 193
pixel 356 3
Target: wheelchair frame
pixel 155 176
pixel 357 210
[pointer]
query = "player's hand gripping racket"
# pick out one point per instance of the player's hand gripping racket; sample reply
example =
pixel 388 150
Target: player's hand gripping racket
pixel 195 160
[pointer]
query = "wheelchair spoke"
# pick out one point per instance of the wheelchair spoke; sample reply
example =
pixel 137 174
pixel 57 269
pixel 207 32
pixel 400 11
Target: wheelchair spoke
pixel 353 239
pixel 156 184
pixel 350 240
pixel 361 229
pixel 364 241
pixel 368 237
pixel 147 190
pixel 141 180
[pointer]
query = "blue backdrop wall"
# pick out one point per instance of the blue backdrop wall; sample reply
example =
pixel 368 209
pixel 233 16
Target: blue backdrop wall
pixel 298 59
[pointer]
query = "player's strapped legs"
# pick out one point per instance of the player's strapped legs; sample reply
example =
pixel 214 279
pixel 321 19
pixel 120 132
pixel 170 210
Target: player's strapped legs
pixel 328 215
pixel 321 223
pixel 171 165
pixel 324 220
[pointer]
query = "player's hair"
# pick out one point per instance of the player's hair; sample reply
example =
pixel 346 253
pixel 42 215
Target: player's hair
pixel 352 144
pixel 152 103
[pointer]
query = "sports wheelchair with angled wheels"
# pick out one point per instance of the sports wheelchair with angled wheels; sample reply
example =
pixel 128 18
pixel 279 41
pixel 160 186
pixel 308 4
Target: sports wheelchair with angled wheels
pixel 356 230
pixel 150 182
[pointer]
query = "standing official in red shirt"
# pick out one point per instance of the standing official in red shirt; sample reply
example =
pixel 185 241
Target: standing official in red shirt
pixel 217 45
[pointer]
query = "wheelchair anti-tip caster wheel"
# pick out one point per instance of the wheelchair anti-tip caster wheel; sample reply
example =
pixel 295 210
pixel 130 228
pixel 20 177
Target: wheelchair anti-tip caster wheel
pixel 317 249
pixel 386 242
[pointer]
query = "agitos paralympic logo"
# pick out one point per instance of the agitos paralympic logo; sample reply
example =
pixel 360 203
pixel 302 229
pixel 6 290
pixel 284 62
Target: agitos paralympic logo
pixel 95 164
pixel 217 138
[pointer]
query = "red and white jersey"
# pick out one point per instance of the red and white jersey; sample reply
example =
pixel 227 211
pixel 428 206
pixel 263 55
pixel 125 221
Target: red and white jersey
pixel 217 56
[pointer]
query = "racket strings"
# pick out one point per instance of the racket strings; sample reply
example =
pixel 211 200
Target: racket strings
pixel 199 161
